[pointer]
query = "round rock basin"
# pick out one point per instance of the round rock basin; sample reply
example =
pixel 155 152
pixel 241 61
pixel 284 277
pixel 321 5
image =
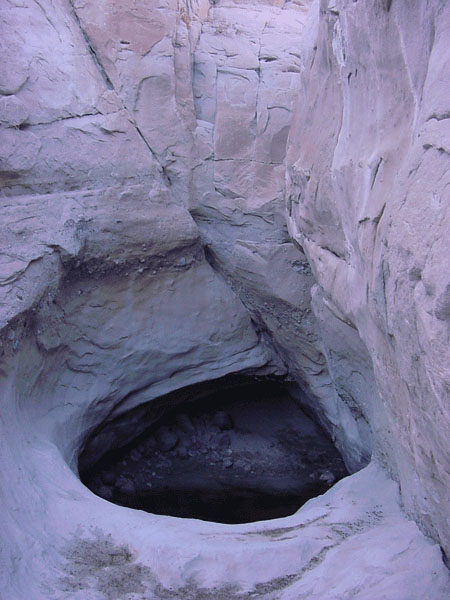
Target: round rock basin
pixel 233 455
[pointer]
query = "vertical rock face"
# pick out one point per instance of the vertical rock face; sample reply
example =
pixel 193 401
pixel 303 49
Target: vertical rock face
pixel 368 196
pixel 110 124
pixel 247 72
pixel 104 276
pixel 192 189
pixel 144 51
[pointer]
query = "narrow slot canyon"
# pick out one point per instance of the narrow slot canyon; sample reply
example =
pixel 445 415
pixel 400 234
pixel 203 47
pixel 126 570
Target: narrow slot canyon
pixel 224 300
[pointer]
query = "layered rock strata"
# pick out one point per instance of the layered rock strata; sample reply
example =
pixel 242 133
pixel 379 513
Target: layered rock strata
pixel 145 248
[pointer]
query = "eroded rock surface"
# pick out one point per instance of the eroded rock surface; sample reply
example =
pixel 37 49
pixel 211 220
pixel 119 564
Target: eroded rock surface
pixel 262 458
pixel 145 247
pixel 367 190
pixel 238 200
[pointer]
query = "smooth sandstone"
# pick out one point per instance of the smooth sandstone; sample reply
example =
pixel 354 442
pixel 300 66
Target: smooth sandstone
pixel 191 190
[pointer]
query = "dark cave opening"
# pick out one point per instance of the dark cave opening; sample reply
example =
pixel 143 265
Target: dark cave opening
pixel 239 450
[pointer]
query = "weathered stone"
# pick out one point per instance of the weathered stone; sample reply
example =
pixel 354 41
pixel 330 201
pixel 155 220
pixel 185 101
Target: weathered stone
pixel 223 420
pixel 105 492
pixel 127 488
pixel 166 439
pixel 108 477
pixel 133 134
pixel 367 181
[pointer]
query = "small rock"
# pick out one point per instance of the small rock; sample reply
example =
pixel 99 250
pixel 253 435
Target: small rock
pixel 223 440
pixel 167 440
pixel 182 452
pixel 223 420
pixel 214 444
pixel 227 462
pixel 108 477
pixel 127 488
pixel 328 477
pixel 184 423
pixel 135 455
pixel 105 492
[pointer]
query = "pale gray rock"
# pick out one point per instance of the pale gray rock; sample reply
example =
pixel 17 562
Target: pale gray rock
pixel 144 52
pixel 246 83
pixel 367 192
pixel 13 111
pixel 133 134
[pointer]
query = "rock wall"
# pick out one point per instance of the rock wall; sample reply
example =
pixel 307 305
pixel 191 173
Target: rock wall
pixel 145 248
pixel 247 72
pixel 105 125
pixel 368 197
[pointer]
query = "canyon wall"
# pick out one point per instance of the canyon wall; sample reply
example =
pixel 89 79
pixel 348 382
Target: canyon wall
pixel 192 189
pixel 247 72
pixel 112 136
pixel 368 197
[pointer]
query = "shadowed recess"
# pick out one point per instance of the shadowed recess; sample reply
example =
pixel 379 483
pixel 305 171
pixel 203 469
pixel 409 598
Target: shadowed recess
pixel 230 452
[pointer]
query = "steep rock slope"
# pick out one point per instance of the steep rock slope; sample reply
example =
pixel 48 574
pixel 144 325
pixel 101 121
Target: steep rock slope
pixel 368 197
pixel 118 117
pixel 247 68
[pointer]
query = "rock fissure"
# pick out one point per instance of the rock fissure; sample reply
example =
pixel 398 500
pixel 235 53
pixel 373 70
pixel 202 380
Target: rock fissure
pixel 90 47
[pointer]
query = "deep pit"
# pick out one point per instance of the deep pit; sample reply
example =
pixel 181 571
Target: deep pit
pixel 229 453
